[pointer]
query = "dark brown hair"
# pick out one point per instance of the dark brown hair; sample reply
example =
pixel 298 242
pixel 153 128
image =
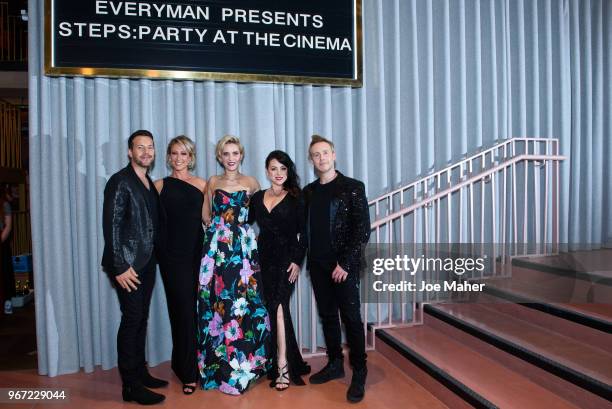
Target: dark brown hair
pixel 292 184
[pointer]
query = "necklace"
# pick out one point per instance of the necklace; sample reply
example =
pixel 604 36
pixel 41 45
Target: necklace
pixel 273 193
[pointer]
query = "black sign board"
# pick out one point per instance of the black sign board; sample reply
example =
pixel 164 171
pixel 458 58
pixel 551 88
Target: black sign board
pixel 296 41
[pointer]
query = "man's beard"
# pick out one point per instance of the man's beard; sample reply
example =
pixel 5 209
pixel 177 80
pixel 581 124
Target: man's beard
pixel 142 164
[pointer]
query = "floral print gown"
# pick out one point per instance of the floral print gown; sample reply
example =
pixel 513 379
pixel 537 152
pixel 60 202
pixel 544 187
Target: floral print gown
pixel 233 324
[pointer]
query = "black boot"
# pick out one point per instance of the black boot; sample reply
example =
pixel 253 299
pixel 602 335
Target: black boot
pixel 356 391
pixel 333 370
pixel 141 395
pixel 151 382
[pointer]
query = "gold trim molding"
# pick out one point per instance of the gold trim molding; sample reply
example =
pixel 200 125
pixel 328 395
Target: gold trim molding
pixel 52 70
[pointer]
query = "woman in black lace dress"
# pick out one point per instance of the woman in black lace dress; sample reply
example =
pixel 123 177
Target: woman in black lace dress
pixel 279 212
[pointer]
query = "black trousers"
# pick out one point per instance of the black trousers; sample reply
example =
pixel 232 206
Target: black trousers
pixel 181 284
pixel 332 297
pixel 133 328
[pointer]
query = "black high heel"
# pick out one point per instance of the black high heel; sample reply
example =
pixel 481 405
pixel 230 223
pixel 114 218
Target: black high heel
pixel 188 389
pixel 283 379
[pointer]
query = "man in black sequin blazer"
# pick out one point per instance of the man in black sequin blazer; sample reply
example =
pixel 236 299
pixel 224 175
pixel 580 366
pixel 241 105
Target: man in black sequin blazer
pixel 338 227
pixel 130 222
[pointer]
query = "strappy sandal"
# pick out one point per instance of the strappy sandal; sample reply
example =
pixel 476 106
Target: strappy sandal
pixel 188 389
pixel 283 379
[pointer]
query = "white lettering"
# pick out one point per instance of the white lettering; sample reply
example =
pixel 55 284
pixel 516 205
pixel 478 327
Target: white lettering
pixel 159 8
pixel 201 34
pixel 240 16
pixel 109 29
pixel 143 31
pixel 219 37
pixel 144 9
pixel 290 41
pixel 117 10
pixel 124 32
pixel 232 34
pixel 189 12
pixel 130 9
pixel 203 13
pixel 187 32
pixel 248 35
pixel 225 13
pixel 101 7
pixel 159 33
pixel 173 12
pixel 80 27
pixel 65 29
pixel 172 32
pixel 317 21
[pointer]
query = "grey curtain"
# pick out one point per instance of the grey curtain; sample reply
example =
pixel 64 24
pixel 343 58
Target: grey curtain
pixel 442 79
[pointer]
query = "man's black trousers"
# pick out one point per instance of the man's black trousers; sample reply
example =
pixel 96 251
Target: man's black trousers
pixel 133 328
pixel 332 297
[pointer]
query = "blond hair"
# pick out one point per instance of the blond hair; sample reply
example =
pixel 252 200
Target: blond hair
pixel 186 143
pixel 318 138
pixel 224 141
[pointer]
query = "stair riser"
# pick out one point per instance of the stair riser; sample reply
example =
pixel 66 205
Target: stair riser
pixel 559 310
pixel 580 333
pixel 441 392
pixel 565 389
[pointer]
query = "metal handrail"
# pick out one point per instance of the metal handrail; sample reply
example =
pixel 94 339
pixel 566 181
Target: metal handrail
pixel 462 164
pixel 479 176
pixel 420 203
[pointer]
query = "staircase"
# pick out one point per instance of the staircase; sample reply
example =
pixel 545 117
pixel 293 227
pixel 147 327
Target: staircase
pixel 497 355
pixel 540 334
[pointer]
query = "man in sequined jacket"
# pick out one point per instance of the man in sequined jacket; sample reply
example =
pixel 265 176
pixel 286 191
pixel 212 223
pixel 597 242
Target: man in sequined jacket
pixel 338 227
pixel 130 221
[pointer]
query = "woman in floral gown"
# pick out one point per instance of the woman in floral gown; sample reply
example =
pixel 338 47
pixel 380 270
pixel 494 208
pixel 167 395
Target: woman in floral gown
pixel 233 324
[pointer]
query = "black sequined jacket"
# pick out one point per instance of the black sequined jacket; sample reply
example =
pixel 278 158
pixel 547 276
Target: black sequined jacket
pixel 129 229
pixel 349 221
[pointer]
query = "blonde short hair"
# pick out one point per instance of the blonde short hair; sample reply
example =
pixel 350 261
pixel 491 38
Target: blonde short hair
pixel 224 141
pixel 189 147
pixel 318 138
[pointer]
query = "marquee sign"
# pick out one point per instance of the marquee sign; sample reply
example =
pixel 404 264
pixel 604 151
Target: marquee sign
pixel 297 41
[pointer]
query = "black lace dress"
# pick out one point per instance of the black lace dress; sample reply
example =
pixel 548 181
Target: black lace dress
pixel 281 241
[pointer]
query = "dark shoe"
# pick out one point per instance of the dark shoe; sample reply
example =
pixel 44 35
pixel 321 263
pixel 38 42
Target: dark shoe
pixel 151 382
pixel 356 391
pixel 141 395
pixel 188 389
pixel 333 370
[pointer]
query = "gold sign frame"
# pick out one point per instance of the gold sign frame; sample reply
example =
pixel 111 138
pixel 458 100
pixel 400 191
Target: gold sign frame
pixel 52 70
